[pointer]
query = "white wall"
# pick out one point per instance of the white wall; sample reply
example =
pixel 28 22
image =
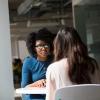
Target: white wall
pixel 18 48
pixel 22 49
pixel 14 48
pixel 6 79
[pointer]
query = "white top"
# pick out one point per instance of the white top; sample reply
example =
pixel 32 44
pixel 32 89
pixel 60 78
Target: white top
pixel 57 77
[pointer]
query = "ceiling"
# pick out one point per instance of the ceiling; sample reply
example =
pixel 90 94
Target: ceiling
pixel 30 15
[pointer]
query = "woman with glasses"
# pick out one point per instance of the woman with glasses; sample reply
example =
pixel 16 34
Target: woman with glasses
pixel 34 67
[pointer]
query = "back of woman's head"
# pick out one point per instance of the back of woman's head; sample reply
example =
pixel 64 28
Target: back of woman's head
pixel 17 62
pixel 68 44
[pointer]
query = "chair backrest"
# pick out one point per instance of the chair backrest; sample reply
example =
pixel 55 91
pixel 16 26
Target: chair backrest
pixel 79 92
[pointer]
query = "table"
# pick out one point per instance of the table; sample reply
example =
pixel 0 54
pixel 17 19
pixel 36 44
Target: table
pixel 33 90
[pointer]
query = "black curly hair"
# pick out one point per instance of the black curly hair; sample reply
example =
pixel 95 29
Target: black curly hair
pixel 43 34
pixel 30 43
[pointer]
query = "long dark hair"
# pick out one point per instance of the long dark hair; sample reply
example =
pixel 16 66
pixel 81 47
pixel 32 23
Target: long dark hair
pixel 68 44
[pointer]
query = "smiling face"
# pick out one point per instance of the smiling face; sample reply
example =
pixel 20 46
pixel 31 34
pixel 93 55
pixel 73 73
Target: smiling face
pixel 42 50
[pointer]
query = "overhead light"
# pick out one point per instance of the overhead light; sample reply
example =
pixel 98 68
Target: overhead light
pixel 27 5
pixel 24 7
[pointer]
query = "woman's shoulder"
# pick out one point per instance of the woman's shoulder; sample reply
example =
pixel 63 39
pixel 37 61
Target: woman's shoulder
pixel 56 68
pixel 29 59
pixel 58 64
pixel 28 63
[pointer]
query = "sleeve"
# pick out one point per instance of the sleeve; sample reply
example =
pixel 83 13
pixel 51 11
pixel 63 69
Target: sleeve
pixel 26 74
pixel 50 83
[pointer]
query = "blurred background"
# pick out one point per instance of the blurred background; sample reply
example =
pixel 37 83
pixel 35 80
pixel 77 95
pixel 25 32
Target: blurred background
pixel 31 15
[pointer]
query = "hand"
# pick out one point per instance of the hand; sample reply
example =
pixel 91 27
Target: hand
pixel 39 83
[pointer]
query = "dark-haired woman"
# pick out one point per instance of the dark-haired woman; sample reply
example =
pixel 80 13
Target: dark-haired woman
pixel 34 67
pixel 17 66
pixel 72 64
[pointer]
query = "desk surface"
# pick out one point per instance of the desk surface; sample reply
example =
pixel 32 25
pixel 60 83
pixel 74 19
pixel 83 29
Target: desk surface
pixel 34 90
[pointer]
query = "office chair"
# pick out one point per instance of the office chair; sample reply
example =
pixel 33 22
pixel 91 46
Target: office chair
pixel 79 92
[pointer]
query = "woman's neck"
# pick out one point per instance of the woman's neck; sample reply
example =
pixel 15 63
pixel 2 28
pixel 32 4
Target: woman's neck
pixel 42 59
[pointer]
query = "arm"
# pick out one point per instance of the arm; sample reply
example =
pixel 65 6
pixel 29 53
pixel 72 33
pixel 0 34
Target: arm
pixel 50 84
pixel 39 83
pixel 26 74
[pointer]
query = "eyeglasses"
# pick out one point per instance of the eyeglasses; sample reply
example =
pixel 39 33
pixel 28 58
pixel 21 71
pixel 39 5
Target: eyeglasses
pixel 42 46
